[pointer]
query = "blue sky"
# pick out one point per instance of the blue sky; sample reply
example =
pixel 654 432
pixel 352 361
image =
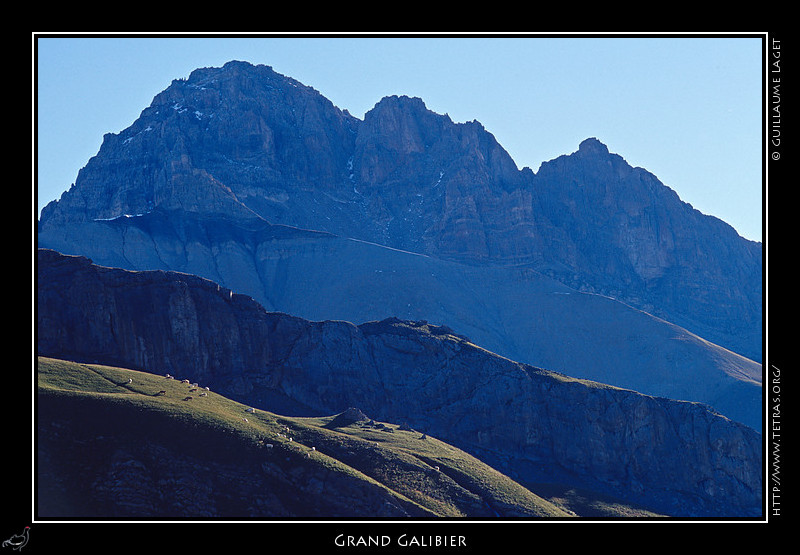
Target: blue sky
pixel 688 109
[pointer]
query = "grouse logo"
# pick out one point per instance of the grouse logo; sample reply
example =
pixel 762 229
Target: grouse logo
pixel 18 541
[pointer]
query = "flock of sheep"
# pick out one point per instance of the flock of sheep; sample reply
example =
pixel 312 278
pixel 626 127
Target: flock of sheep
pixel 194 387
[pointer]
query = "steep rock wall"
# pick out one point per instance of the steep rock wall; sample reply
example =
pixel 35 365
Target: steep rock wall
pixel 679 458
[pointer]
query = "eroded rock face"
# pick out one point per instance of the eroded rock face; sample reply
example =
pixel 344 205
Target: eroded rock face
pixel 247 142
pixel 678 458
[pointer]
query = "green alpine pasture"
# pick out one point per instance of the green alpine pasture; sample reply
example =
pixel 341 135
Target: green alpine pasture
pixel 430 473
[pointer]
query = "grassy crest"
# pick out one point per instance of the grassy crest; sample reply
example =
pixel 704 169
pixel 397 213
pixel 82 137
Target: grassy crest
pixel 419 470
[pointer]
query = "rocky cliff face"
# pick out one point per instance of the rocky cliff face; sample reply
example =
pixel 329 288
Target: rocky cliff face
pixel 433 186
pixel 246 142
pixel 674 457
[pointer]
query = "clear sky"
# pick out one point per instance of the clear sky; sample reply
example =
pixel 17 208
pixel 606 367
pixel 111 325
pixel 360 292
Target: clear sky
pixel 688 109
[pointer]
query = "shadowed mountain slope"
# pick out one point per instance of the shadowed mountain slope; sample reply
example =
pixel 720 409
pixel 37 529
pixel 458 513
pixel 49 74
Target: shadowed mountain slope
pixel 537 426
pixel 514 311
pixel 151 446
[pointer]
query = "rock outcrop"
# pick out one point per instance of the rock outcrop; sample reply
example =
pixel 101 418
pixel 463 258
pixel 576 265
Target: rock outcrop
pixel 674 457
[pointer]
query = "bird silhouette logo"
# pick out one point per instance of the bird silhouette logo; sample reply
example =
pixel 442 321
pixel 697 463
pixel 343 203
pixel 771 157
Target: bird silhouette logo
pixel 18 541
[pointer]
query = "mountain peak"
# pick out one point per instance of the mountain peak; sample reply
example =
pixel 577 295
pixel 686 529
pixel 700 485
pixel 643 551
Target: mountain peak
pixel 244 140
pixel 398 108
pixel 403 101
pixel 592 146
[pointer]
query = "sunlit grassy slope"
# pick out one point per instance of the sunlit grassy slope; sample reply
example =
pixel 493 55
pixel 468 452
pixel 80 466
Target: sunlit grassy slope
pixel 427 474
